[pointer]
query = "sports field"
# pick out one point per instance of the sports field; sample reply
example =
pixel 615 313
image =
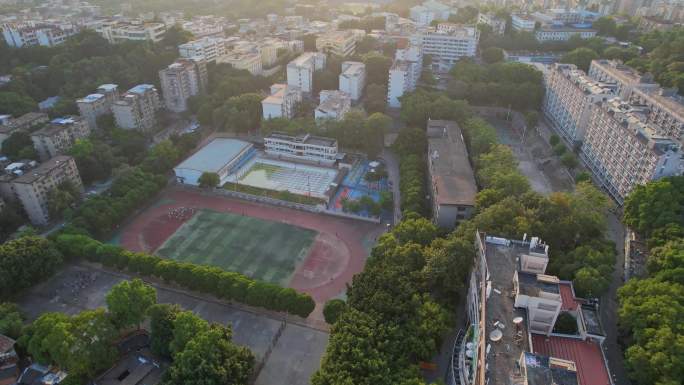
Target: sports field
pixel 261 249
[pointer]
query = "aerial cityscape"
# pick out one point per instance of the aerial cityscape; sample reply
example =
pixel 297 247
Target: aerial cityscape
pixel 333 192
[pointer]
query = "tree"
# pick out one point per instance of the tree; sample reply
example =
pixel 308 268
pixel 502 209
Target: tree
pixel 377 67
pixel 11 320
pixel 209 179
pixel 376 98
pixel 569 160
pixel 162 317
pixel 554 140
pixel 565 323
pixel 128 302
pixel 161 158
pixel 492 55
pixel 605 26
pixel 333 309
pixel 25 261
pixel 19 140
pixel 581 57
pixel 590 283
pixel 61 198
pixel 211 358
pixel 16 104
pixel 186 325
pixel 655 205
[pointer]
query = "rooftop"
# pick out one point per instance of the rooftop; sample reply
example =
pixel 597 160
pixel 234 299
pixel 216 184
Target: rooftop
pixel 134 369
pixel 353 68
pixel 215 155
pixel 570 303
pixel 532 284
pixel 306 138
pixel 90 98
pixel 587 356
pixel 333 101
pixel 57 125
pixel 6 343
pixel 141 89
pixel 108 87
pixel 542 370
pixel 452 176
pixel 619 70
pixel 44 169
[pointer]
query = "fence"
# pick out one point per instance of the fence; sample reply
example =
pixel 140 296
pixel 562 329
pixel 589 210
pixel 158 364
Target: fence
pixel 268 200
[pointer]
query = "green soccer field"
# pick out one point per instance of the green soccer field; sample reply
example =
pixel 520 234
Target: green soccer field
pixel 264 250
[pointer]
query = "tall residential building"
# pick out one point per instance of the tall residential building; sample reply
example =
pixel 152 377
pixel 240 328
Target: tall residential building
pixel 282 101
pixel 338 43
pixel 333 105
pixel 25 35
pixel 624 77
pixel 401 80
pixel 97 104
pixel 58 136
pixel 623 151
pixel 208 48
pixel 497 24
pixel 25 122
pixel 353 79
pixel 300 70
pixel 116 31
pixel 182 79
pixel 448 43
pixel 569 98
pixel 429 11
pixel 32 188
pixel 413 54
pixel 137 108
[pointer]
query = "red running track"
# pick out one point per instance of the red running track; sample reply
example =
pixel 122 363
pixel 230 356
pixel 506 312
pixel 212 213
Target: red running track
pixel 337 253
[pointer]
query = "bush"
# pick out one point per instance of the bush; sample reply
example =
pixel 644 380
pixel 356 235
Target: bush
pixel 569 160
pixel 228 285
pixel 565 323
pixel 554 140
pixel 559 149
pixel 583 176
pixel 333 309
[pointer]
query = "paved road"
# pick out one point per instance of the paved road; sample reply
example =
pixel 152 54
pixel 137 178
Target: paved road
pixel 392 163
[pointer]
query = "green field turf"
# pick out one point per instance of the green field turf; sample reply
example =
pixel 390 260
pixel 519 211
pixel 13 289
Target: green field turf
pixel 264 250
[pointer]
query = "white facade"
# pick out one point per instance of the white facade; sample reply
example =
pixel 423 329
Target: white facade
pixel 303 147
pixel 137 108
pixel 562 33
pixel 401 80
pixel 208 48
pixel 353 79
pixel 58 136
pixel 97 104
pixel 338 43
pixel 25 36
pixel 243 61
pixel 282 102
pixel 448 43
pixel 300 70
pixel 427 12
pixel 119 31
pixel 522 23
pixel 498 25
pixel 180 80
pixel 333 105
pixel 413 54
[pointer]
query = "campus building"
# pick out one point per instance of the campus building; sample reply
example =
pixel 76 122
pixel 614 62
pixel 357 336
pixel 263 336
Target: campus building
pixel 137 108
pixel 181 80
pixel 333 105
pixel 497 24
pixel 452 181
pixel 521 22
pixel 447 43
pixel 562 33
pixel 623 150
pixel 624 77
pixel 100 103
pixel 208 48
pixel 33 187
pixel 282 102
pixel 302 147
pixel 117 31
pixel 243 61
pixel 402 79
pixel 339 43
pixel 429 11
pixel 300 70
pixel 59 135
pixel 569 98
pixel 221 156
pixel 353 79
pixel 512 306
pixel 28 35
pixel 25 122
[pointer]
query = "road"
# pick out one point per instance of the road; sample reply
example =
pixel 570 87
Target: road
pixel 392 163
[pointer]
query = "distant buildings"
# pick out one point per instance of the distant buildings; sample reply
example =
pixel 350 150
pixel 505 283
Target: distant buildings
pixel 404 73
pixel 137 108
pixel 208 48
pixel 25 122
pixel 562 33
pixel 95 105
pixel 448 43
pixel 20 35
pixel 429 11
pixel 243 61
pixel 182 79
pixel 282 101
pixel 497 24
pixel 521 22
pixel 221 156
pixel 353 79
pixel 117 31
pixel 300 70
pixel 339 43
pixel 302 147
pixel 59 135
pixel 452 188
pixel 333 105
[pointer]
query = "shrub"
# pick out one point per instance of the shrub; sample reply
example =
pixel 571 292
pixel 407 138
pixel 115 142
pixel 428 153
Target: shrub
pixel 333 309
pixel 559 149
pixel 565 323
pixel 554 140
pixel 569 160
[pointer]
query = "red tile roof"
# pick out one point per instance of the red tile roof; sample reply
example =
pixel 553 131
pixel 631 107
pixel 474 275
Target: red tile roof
pixel 591 369
pixel 569 300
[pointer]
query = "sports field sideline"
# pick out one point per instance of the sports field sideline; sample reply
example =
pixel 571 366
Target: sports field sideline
pixel 261 249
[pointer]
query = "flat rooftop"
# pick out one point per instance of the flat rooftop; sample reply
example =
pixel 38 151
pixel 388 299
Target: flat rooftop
pixel 44 169
pixel 90 98
pixel 542 371
pixel 141 88
pixel 452 176
pixel 215 155
pixel 306 138
pixel 587 356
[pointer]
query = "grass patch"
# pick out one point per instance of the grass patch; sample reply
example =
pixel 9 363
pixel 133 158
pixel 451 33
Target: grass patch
pixel 281 195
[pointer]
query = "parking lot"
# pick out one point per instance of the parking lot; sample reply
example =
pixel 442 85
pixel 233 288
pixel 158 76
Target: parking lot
pixel 286 353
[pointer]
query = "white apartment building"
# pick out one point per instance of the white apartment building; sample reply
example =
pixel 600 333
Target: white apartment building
pixel 300 70
pixel 623 151
pixel 498 25
pixel 32 188
pixel 116 31
pixel 448 43
pixel 282 101
pixel 427 12
pixel 338 43
pixel 401 80
pixel 413 54
pixel 137 108
pixel 664 108
pixel 554 33
pixel 569 99
pixel 521 22
pixel 353 79
pixel 333 105
pixel 25 35
pixel 97 104
pixel 208 48
pixel 182 79
pixel 243 61
pixel 624 77
pixel 58 136
pixel 302 147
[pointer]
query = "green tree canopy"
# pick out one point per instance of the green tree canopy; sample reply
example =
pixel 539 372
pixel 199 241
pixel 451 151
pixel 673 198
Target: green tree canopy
pixel 209 179
pixel 129 301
